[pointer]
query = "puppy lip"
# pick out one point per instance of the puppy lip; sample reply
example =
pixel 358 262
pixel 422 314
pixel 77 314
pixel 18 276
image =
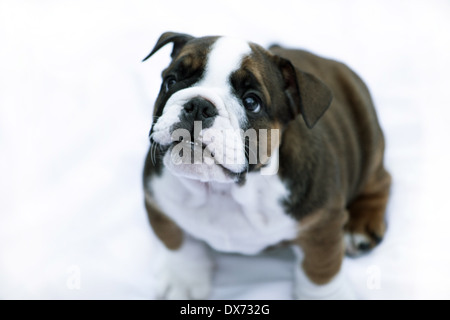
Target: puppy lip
pixel 198 143
pixel 193 144
pixel 228 171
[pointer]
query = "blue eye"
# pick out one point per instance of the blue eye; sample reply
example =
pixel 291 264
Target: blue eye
pixel 169 83
pixel 252 103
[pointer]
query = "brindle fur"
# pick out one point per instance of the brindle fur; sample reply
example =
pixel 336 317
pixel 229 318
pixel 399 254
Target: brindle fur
pixel 333 167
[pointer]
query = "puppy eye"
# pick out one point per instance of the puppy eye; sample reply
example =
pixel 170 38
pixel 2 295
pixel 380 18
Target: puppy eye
pixel 252 103
pixel 169 83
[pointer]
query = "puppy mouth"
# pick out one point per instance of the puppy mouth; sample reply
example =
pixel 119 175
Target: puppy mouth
pixel 197 147
pixel 196 144
pixel 199 154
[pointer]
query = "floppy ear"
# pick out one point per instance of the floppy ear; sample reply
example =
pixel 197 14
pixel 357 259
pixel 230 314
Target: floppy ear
pixel 178 40
pixel 307 94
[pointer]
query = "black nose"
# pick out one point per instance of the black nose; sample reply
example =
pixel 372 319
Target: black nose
pixel 200 109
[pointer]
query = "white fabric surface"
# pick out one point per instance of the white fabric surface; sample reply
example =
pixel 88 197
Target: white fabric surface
pixel 75 110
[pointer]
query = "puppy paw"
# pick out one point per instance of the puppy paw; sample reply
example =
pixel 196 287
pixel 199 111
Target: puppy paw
pixel 337 289
pixel 363 232
pixel 184 273
pixel 183 284
pixel 366 226
pixel 343 293
pixel 358 242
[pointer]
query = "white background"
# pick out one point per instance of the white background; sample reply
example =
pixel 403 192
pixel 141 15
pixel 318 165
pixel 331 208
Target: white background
pixel 75 111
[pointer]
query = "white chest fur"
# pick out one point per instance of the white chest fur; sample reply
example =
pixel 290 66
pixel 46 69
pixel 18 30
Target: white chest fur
pixel 242 219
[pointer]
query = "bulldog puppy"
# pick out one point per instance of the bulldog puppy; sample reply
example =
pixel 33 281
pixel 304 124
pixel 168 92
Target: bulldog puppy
pixel 252 148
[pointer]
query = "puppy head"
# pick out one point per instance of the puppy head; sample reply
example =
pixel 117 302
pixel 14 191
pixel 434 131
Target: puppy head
pixel 223 104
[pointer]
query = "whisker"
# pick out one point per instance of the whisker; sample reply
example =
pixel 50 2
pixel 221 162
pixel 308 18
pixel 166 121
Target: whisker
pixel 152 153
pixel 248 150
pixel 153 146
pixel 248 158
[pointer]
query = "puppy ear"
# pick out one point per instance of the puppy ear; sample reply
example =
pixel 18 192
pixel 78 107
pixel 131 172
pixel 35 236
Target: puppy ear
pixel 178 40
pixel 307 94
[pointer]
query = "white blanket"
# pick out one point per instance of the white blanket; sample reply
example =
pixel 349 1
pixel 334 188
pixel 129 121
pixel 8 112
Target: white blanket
pixel 75 111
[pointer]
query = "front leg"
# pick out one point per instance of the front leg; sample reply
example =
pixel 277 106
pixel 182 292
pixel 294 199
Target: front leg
pixel 320 251
pixel 184 273
pixel 183 265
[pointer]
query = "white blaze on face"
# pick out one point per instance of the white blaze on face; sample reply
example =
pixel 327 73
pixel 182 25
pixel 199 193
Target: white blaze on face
pixel 225 57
